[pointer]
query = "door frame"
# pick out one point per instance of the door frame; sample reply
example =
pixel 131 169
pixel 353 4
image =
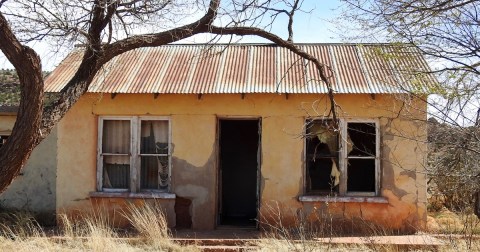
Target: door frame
pixel 218 186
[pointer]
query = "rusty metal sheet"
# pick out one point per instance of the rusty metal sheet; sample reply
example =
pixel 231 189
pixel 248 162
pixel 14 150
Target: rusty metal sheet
pixel 253 68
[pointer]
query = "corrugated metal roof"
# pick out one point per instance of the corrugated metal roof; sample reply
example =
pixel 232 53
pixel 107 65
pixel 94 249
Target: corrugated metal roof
pixel 254 68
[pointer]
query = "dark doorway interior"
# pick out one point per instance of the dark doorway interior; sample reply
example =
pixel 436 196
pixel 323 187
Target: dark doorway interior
pixel 239 140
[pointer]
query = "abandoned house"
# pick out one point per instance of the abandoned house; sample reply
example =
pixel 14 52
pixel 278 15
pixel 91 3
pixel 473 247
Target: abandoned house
pixel 241 134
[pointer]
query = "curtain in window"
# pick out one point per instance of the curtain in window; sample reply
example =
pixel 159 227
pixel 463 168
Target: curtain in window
pixel 154 155
pixel 116 137
pixel 116 172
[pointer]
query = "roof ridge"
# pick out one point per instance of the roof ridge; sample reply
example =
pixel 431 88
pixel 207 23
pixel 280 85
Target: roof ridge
pixel 276 45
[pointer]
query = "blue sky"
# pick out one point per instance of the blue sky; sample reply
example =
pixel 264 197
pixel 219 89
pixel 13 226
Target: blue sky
pixel 315 27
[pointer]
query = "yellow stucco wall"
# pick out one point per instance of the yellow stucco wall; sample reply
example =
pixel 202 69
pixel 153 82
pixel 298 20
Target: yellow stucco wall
pixel 34 189
pixel 195 154
pixel 6 124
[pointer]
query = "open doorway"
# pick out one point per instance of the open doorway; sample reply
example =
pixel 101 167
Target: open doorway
pixel 238 176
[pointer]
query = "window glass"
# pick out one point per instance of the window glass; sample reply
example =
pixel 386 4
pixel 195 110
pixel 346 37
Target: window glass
pixel 116 172
pixel 150 157
pixel 154 137
pixel 116 137
pixel 362 138
pixel 154 171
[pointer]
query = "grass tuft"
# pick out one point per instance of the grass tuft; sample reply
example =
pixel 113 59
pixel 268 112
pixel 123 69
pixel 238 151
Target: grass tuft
pixel 90 232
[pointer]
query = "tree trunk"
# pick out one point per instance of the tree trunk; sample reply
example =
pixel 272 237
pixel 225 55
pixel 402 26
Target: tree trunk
pixel 26 130
pixel 476 208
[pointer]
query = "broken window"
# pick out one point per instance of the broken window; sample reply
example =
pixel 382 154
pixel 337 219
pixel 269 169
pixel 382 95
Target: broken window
pixel 154 155
pixel 3 140
pixel 361 158
pixel 134 154
pixel 342 161
pixel 322 157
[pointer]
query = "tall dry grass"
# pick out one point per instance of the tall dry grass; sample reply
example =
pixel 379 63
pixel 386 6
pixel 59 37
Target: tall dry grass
pixel 319 233
pixel 91 232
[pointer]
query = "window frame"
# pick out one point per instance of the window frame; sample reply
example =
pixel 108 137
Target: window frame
pixel 343 157
pixel 135 157
pixel 307 184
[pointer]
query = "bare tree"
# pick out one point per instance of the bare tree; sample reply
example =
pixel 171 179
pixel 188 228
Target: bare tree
pixel 109 28
pixel 448 33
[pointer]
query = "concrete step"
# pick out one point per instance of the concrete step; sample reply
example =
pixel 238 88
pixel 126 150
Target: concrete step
pixel 400 242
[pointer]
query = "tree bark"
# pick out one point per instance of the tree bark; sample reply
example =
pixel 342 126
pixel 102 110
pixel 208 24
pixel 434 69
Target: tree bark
pixel 26 130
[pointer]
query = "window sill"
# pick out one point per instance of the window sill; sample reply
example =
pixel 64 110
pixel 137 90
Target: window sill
pixel 360 199
pixel 140 195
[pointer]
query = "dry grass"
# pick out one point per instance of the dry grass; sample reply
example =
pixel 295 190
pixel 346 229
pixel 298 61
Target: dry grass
pixel 447 222
pixel 304 233
pixel 457 232
pixel 93 233
pixel 19 232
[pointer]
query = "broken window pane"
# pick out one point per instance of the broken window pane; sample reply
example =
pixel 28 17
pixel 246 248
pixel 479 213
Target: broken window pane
pixel 323 175
pixel 154 137
pixel 154 170
pixel 362 136
pixel 116 172
pixel 361 175
pixel 361 149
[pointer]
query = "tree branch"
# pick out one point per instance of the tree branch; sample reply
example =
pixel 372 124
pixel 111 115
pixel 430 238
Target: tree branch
pixel 243 31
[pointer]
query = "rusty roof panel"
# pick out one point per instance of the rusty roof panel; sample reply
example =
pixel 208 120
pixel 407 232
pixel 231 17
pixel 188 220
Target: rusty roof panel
pixel 179 69
pixel 148 78
pixel 314 84
pixel 234 73
pixel 246 68
pixel 63 72
pixel 380 76
pixel 291 71
pixel 205 73
pixel 261 77
pixel 350 76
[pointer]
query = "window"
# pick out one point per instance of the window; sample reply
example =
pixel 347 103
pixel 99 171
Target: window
pixel 3 140
pixel 134 154
pixel 322 157
pixel 344 161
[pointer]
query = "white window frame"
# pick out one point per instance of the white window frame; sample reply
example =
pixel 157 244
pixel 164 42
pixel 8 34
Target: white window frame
pixel 343 157
pixel 135 132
